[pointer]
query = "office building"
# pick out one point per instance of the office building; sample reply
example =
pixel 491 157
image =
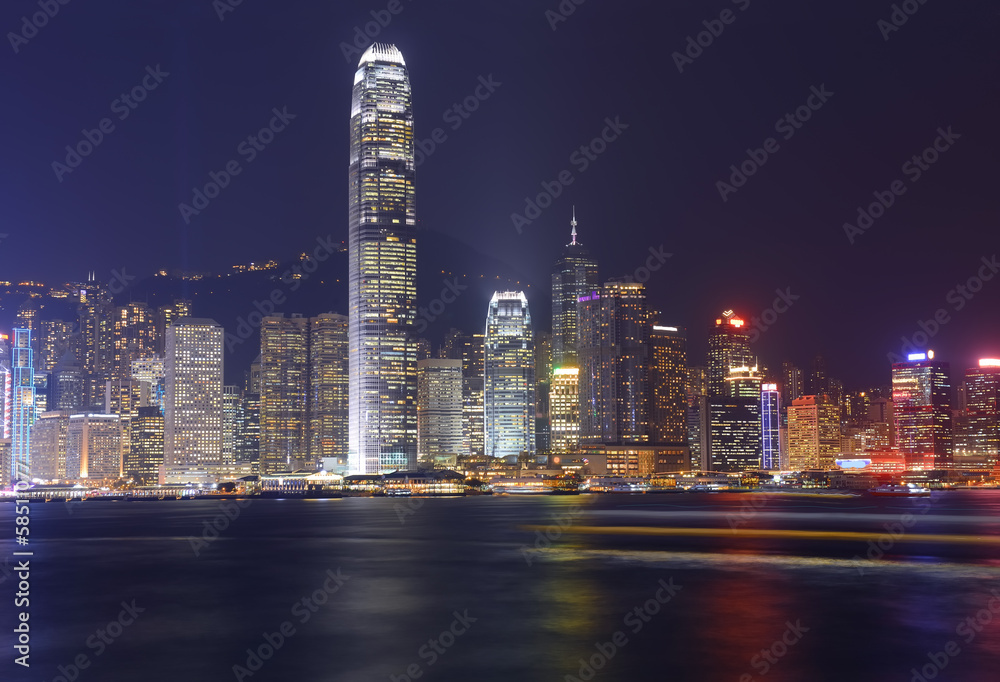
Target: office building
pixel 22 404
pixel 382 257
pixel 728 346
pixel 143 461
pixel 734 434
pixel 982 411
pixel 770 422
pixel 813 433
pixel 48 445
pixel 921 398
pixel 439 412
pixel 328 388
pixel 574 275
pixel 284 394
pixel 564 410
pixel 94 448
pixel 667 385
pixel 193 401
pixel 509 387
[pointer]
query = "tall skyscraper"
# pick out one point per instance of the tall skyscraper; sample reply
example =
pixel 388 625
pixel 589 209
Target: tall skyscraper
pixel 143 461
pixel 193 401
pixel 94 448
pixel 770 421
pixel 697 417
pixel 509 391
pixel 439 411
pixel 982 410
pixel 469 348
pixel 328 387
pixel 382 255
pixel 48 445
pixel 921 398
pixel 55 340
pixel 22 404
pixel 232 420
pixel 5 397
pixel 728 346
pixel 564 410
pixel 813 433
pixel 613 328
pixel 284 393
pixel 667 385
pixel 575 275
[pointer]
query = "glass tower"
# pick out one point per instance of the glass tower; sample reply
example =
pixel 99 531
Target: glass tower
pixel 382 255
pixel 921 398
pixel 770 420
pixel 575 275
pixel 22 400
pixel 509 409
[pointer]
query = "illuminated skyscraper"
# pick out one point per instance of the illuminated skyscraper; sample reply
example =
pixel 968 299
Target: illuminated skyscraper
pixel 564 409
pixel 813 433
pixel 728 346
pixel 921 398
pixel 697 417
pixel 232 419
pixel 509 392
pixel 469 348
pixel 613 328
pixel 734 435
pixel 439 411
pixel 284 402
pixel 143 461
pixel 328 388
pixel 982 410
pixel 382 255
pixel 575 275
pixel 5 397
pixel 22 404
pixel 48 445
pixel 667 385
pixel 193 401
pixel 94 448
pixel 770 420
pixel 55 338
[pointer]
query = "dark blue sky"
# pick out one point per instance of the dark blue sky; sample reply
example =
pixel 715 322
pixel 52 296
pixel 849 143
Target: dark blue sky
pixel 654 185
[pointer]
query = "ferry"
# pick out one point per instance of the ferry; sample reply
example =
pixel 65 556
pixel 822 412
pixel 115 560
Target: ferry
pixel 905 490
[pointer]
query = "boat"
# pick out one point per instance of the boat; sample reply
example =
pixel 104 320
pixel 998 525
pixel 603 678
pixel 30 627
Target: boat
pixel 904 490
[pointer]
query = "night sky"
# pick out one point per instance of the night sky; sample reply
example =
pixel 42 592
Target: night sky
pixel 653 186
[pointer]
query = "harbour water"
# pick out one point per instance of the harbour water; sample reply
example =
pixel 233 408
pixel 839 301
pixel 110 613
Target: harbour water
pixel 732 587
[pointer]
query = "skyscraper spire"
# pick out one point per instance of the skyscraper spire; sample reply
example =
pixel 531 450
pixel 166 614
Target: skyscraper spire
pixel 573 225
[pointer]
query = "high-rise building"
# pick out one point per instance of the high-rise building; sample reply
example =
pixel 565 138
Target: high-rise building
pixel 68 383
pixel 192 433
pixel 95 348
pixel 770 422
pixel 232 419
pixel 142 464
pixel 5 396
pixel 982 410
pixel 728 346
pixel 509 388
pixel 575 275
pixel 48 445
pixel 564 410
pixel 328 388
pixel 667 385
pixel 813 433
pixel 382 256
pixel 55 339
pixel 791 383
pixel 697 417
pixel 284 393
pixel 22 404
pixel 439 411
pixel 734 434
pixel 94 448
pixel 165 316
pixel 543 381
pixel 469 348
pixel 613 328
pixel 249 443
pixel 921 398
